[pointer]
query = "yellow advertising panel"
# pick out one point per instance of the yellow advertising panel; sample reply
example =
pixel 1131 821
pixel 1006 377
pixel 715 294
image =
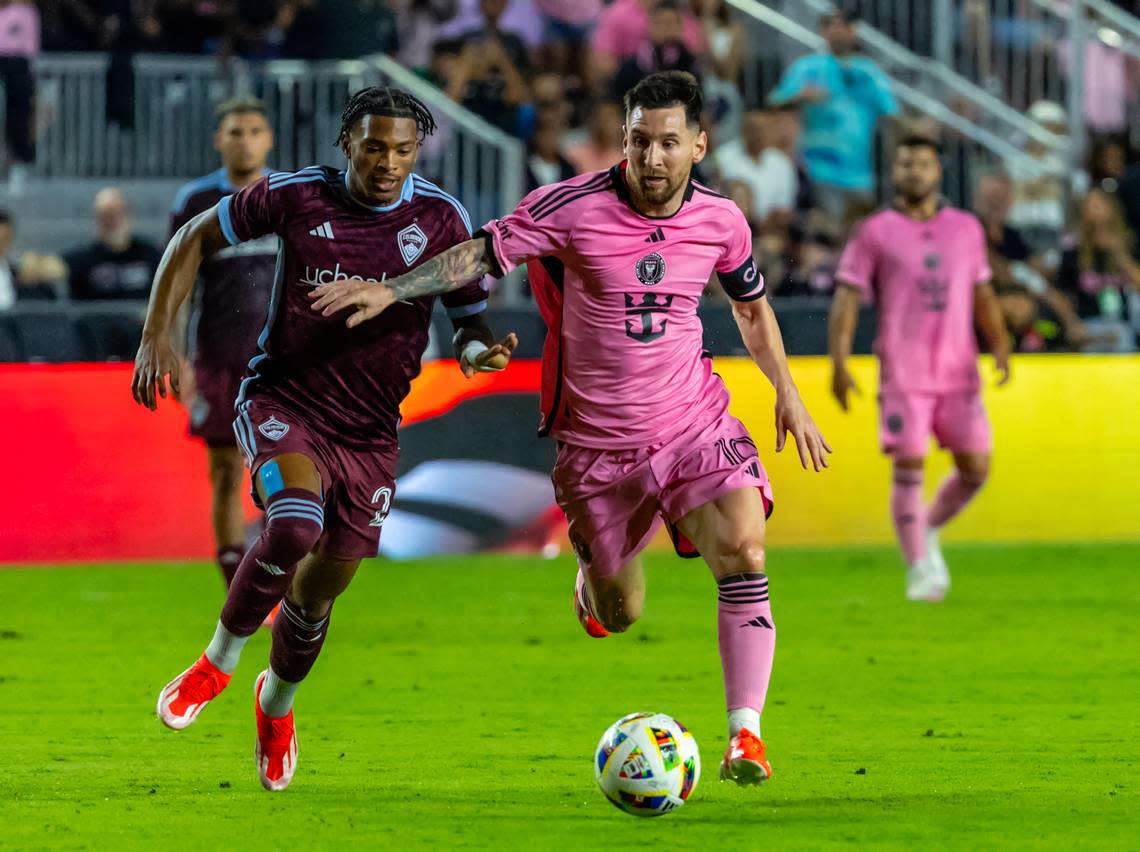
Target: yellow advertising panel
pixel 1066 463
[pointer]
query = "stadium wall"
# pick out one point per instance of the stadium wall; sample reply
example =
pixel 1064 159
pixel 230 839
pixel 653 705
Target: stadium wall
pixel 91 476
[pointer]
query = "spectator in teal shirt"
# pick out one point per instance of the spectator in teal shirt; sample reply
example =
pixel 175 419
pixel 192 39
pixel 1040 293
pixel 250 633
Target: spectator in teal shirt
pixel 843 95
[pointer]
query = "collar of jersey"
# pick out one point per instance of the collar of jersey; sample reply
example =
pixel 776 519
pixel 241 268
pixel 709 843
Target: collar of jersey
pixel 406 193
pixel 622 190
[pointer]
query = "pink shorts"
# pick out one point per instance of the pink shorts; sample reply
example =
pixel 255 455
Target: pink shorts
pixel 615 499
pixel 957 420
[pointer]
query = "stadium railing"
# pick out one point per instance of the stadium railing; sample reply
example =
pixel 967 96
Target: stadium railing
pixel 159 122
pixel 979 133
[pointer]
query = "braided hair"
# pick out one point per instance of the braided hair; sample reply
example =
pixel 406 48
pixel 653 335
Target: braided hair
pixel 389 102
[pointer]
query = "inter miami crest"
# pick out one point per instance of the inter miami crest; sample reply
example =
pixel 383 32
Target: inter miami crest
pixel 651 269
pixel 412 242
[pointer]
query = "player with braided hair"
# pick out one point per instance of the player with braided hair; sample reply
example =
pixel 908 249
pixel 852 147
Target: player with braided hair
pixel 318 409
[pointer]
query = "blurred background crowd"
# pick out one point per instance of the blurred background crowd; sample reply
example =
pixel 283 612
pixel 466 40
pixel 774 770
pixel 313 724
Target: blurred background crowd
pixel 804 152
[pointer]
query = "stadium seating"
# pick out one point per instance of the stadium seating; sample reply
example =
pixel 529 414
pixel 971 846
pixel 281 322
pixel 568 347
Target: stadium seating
pixel 110 336
pixel 49 336
pixel 10 349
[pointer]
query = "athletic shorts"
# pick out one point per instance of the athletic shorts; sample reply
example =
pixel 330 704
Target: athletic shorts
pixel 357 485
pixel 958 420
pixel 615 499
pixel 212 411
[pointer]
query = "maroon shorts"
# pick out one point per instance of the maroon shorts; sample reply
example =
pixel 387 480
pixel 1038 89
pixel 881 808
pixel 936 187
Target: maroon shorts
pixel 357 486
pixel 212 411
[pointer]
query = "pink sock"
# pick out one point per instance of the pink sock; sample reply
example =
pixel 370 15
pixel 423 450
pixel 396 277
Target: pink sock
pixel 952 497
pixel 747 637
pixel 908 513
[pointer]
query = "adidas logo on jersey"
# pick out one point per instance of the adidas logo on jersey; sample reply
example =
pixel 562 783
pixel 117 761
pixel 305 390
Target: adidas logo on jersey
pixel 325 231
pixel 656 237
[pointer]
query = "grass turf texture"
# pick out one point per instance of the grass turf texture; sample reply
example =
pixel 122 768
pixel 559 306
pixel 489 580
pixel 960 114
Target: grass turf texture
pixel 458 703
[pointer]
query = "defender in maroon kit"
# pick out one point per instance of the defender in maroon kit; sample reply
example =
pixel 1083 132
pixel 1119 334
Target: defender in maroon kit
pixel 318 411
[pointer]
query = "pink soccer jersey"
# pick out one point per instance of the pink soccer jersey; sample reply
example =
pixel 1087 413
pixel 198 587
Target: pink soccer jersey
pixel 623 364
pixel 922 277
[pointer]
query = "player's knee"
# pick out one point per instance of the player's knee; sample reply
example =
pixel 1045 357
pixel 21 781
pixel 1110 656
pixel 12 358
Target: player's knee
pixel 291 538
pixel 975 470
pixel 618 609
pixel 294 520
pixel 746 556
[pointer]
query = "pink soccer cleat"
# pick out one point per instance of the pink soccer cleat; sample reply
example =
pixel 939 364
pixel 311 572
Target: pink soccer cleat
pixel 187 695
pixel 276 750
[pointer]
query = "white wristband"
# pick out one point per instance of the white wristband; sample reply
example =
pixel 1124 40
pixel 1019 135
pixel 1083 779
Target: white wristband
pixel 473 350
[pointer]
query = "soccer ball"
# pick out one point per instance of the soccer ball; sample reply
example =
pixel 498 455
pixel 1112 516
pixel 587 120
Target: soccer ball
pixel 647 764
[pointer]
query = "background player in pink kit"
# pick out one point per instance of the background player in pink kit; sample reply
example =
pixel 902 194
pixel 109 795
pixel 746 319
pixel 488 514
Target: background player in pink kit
pixel 924 264
pixel 318 412
pixel 641 420
pixel 230 301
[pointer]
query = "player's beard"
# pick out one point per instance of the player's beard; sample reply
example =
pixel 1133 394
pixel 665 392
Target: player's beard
pixel 660 195
pixel 914 196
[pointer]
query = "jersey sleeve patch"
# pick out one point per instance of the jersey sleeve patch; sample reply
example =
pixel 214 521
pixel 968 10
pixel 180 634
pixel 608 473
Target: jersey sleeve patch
pixel 745 283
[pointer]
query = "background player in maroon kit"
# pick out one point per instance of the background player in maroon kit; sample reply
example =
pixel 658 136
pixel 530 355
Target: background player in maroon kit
pixel 317 416
pixel 230 302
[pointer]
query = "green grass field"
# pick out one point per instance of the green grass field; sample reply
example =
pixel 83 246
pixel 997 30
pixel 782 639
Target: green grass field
pixel 458 704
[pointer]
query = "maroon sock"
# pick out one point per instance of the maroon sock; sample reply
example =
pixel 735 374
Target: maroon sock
pixel 229 558
pixel 297 642
pixel 294 520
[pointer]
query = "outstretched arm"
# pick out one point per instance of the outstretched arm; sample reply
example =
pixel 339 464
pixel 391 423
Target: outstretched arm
pixel 173 281
pixel 761 334
pixel 447 271
pixel 988 315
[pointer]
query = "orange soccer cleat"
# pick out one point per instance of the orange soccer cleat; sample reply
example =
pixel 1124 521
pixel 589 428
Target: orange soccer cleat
pixel 591 625
pixel 276 750
pixel 187 695
pixel 744 762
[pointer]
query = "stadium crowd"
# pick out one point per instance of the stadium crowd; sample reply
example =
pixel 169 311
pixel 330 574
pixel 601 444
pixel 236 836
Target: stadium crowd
pixel 552 74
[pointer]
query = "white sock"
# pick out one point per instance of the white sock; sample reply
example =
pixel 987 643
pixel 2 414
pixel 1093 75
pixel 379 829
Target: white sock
pixel 224 649
pixel 743 717
pixel 276 696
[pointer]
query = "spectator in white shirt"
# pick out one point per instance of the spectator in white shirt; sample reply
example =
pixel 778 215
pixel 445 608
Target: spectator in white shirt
pixel 754 160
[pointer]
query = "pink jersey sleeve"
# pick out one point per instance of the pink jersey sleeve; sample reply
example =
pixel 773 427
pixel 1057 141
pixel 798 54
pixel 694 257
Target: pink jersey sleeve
pixel 983 273
pixel 256 211
pixel 736 269
pixel 538 227
pixel 857 263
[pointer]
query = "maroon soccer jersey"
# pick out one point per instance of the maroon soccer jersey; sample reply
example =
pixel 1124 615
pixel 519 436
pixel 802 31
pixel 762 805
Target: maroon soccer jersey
pixel 232 294
pixel 347 383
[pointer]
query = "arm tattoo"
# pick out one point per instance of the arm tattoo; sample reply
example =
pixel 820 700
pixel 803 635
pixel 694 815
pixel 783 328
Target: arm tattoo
pixel 445 272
